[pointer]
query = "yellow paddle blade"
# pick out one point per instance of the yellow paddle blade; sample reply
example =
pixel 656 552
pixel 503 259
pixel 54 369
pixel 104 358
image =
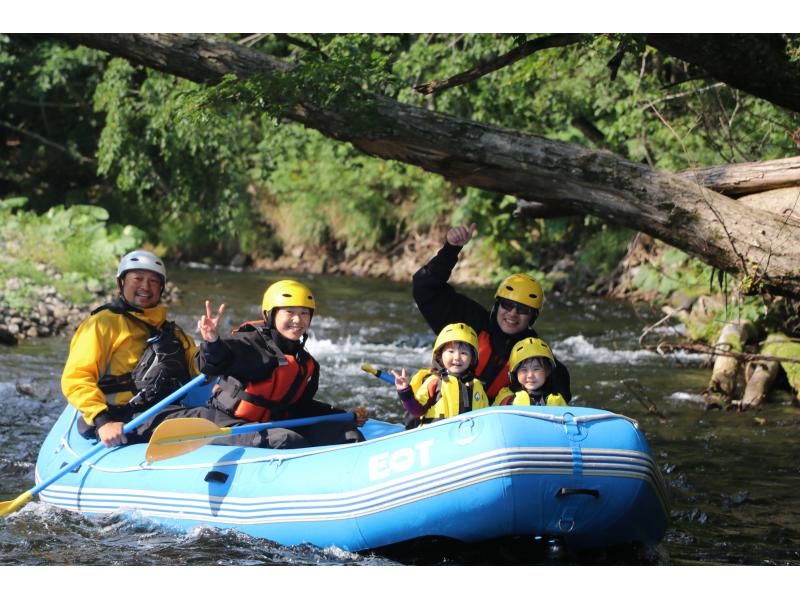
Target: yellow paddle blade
pixel 10 506
pixel 181 435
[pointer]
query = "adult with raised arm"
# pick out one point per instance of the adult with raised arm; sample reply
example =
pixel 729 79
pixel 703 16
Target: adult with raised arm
pixel 518 301
pixel 126 356
pixel 267 375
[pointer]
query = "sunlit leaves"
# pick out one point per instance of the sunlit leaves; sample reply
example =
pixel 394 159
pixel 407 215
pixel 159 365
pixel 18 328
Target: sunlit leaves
pixel 64 248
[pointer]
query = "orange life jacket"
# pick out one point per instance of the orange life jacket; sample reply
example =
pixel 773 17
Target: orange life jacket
pixel 264 400
pixel 495 377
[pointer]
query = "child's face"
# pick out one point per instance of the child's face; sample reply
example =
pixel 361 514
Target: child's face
pixel 456 358
pixel 531 374
pixel 292 322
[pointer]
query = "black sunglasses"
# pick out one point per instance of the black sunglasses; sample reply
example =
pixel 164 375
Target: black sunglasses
pixel 509 305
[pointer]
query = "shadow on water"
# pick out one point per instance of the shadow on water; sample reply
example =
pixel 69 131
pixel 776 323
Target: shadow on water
pixel 515 551
pixel 733 478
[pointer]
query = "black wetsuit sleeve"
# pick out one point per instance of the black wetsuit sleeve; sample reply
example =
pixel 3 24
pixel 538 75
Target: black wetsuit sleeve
pixel 237 357
pixel 438 302
pixel 212 357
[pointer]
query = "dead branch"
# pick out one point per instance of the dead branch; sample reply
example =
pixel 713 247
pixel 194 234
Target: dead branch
pixel 48 142
pixel 664 348
pixel 484 68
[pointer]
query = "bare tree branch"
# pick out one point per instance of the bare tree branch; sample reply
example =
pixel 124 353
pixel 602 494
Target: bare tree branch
pixel 62 148
pixel 296 41
pixel 489 66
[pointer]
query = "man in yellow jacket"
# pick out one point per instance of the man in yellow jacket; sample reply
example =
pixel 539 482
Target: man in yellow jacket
pixel 126 356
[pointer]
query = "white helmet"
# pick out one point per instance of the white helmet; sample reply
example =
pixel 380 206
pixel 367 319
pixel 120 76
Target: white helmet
pixel 142 260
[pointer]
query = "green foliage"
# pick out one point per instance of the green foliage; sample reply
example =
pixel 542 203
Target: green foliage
pixel 169 165
pixel 675 271
pixel 68 248
pixel 602 248
pixel 729 308
pixel 213 171
pixel 779 345
pixel 534 246
pixel 342 70
pixel 48 128
pixel 357 202
pixel 676 274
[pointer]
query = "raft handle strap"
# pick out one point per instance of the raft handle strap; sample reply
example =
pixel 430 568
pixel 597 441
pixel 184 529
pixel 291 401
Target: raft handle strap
pixel 220 477
pixel 570 491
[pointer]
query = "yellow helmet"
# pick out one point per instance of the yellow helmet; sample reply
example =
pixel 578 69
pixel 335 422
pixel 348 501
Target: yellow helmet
pixel 525 349
pixel 522 289
pixel 287 293
pixel 459 332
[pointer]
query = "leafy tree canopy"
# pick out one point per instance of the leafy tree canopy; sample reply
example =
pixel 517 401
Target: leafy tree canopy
pixel 196 167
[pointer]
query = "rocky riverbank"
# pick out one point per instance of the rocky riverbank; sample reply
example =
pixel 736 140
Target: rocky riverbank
pixel 50 313
pixel 397 262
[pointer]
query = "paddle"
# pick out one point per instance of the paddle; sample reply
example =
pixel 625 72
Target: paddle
pixel 10 506
pixel 378 373
pixel 181 435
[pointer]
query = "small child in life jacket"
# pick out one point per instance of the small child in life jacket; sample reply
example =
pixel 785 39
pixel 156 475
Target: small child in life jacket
pixel 529 365
pixel 449 387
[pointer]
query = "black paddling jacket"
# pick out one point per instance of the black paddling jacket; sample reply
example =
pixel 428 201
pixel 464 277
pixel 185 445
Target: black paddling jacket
pixel 440 304
pixel 264 376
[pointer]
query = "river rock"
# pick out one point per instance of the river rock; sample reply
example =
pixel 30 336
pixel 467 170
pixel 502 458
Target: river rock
pixel 7 337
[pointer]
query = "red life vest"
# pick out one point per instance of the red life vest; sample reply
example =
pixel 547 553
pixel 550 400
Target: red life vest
pixel 265 400
pixel 492 384
pixel 285 387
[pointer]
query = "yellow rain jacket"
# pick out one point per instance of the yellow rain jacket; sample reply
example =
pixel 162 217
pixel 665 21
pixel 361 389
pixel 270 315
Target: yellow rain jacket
pixel 506 396
pixel 109 343
pixel 443 395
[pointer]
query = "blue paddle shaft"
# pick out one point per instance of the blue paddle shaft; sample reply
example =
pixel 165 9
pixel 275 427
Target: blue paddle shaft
pixel 291 423
pixel 131 425
pixel 385 377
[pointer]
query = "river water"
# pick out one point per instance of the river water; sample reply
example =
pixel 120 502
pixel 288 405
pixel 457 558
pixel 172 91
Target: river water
pixel 733 478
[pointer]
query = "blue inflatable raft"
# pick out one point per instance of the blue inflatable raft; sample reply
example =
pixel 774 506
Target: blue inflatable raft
pixel 584 476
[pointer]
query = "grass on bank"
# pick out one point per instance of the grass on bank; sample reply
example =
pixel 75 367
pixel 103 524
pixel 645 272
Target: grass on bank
pixel 72 249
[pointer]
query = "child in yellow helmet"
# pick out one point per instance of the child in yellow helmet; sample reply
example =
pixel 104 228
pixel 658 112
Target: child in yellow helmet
pixel 530 363
pixel 449 387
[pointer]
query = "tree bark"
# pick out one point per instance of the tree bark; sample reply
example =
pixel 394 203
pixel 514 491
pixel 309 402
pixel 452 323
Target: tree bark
pixel 746 178
pixel 772 185
pixel 755 244
pixel 757 63
pixel 727 378
pixel 784 202
pixel 760 376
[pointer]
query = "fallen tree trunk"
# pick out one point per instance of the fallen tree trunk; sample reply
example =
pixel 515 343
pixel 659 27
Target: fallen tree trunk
pixel 760 247
pixel 784 202
pixel 747 177
pixel 760 376
pixel 773 185
pixel 727 377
